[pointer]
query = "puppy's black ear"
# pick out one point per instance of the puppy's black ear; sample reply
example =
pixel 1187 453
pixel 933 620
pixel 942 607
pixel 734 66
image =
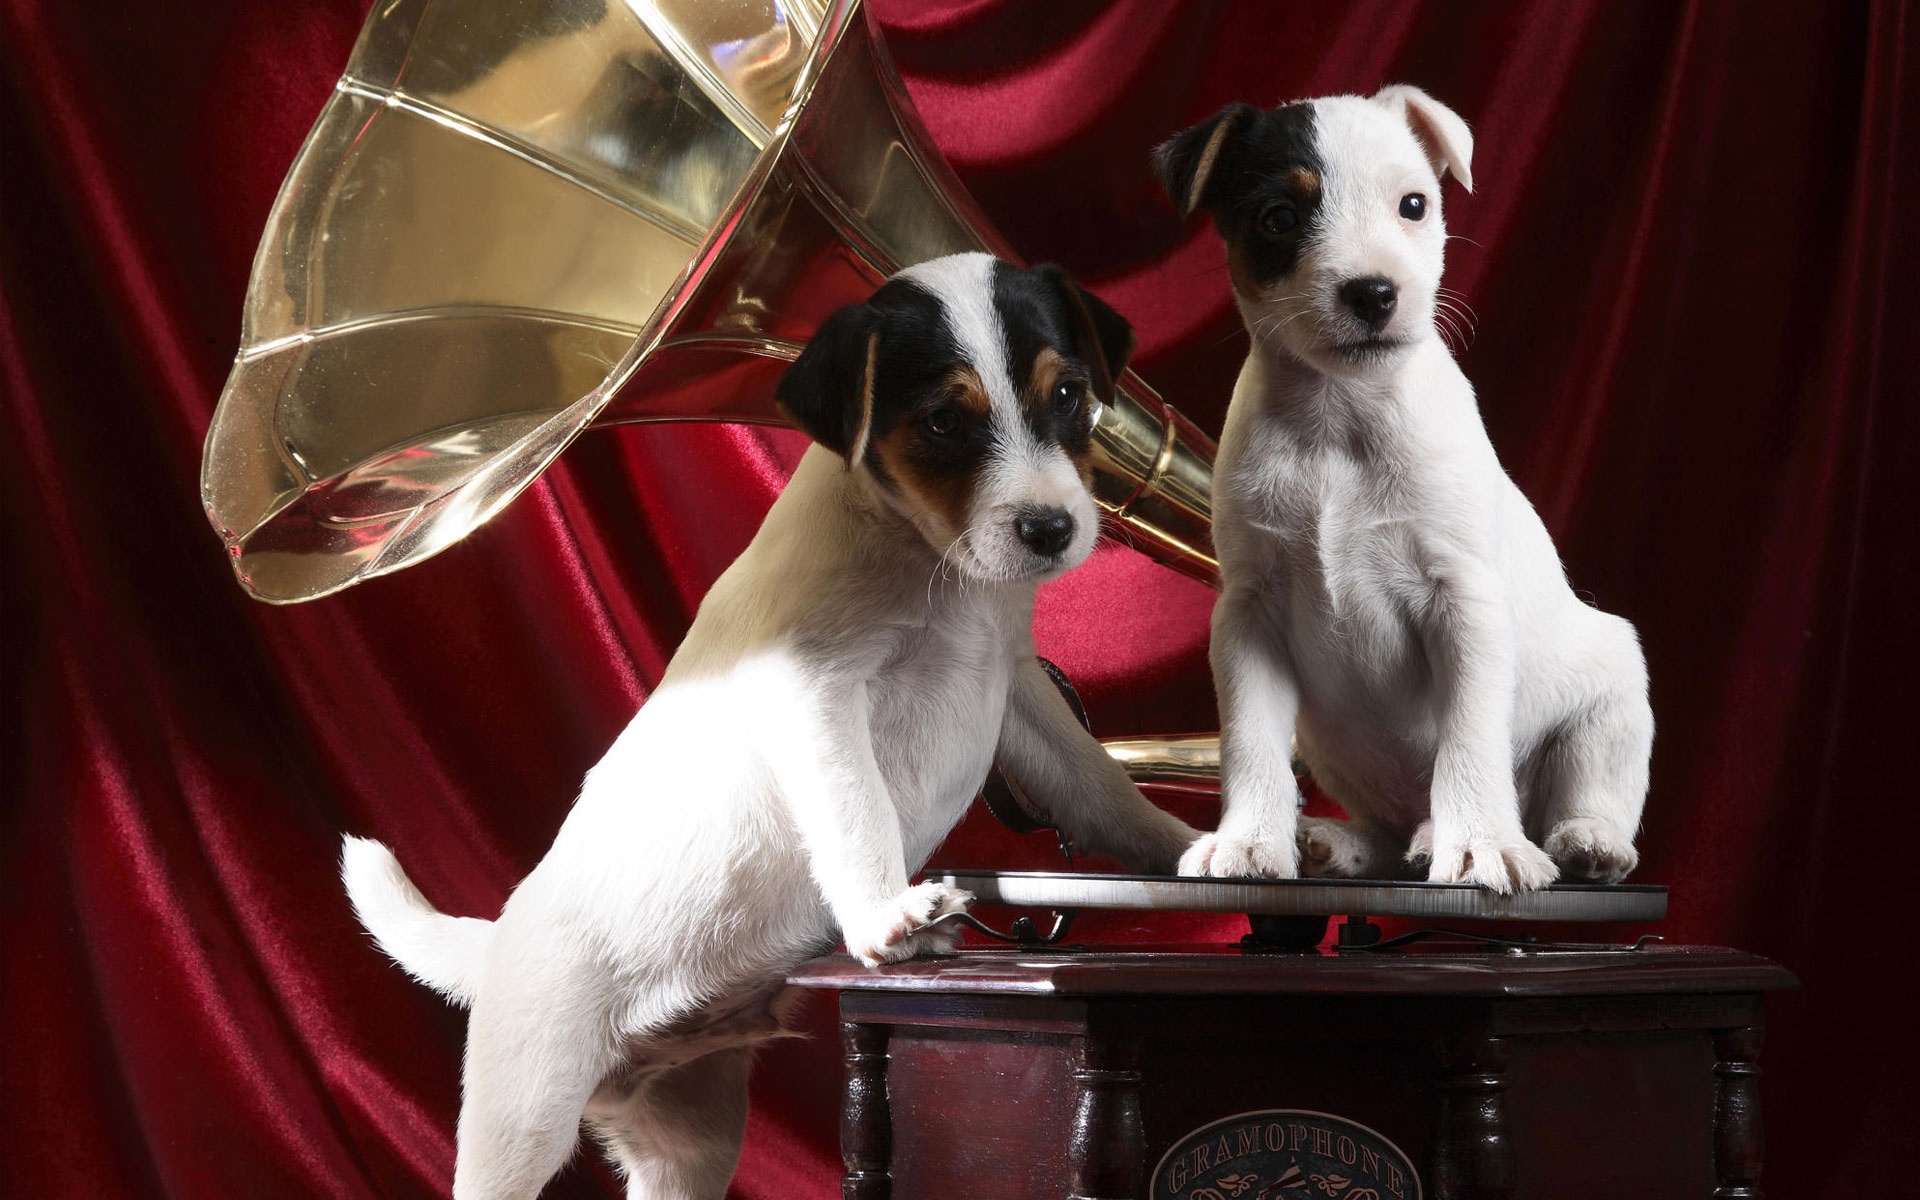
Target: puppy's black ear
pixel 828 391
pixel 1185 164
pixel 1102 337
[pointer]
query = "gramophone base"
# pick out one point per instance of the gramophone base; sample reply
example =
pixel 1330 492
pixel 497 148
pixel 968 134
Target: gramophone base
pixel 1026 1075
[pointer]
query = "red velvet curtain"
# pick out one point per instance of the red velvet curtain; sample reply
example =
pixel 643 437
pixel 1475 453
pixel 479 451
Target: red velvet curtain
pixel 1692 260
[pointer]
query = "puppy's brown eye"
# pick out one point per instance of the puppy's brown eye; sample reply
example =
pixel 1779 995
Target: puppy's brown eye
pixel 942 422
pixel 1067 397
pixel 1413 206
pixel 1276 219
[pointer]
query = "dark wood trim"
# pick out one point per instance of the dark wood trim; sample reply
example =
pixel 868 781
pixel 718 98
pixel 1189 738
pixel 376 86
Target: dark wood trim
pixel 1041 1015
pixel 1737 1141
pixel 1106 1148
pixel 1472 1150
pixel 866 1118
pixel 1224 970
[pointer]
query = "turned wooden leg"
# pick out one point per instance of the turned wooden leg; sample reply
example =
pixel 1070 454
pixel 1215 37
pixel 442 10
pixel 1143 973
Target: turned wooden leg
pixel 866 1119
pixel 1472 1155
pixel 1737 1143
pixel 1106 1149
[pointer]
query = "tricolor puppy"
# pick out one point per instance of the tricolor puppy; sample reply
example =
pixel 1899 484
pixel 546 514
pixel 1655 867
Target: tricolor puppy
pixel 829 717
pixel 1388 595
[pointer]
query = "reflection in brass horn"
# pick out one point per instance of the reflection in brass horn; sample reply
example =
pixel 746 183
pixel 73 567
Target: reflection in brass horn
pixel 1190 761
pixel 516 218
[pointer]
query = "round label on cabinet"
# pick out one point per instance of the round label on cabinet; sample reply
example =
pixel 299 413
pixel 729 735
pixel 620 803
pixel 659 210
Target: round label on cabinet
pixel 1285 1154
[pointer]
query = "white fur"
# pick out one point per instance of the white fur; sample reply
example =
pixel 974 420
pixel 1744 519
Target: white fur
pixel 1388 595
pixel 829 717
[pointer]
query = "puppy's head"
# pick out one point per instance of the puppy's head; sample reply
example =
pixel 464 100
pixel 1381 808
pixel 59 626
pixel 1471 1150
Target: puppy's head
pixel 1331 213
pixel 968 390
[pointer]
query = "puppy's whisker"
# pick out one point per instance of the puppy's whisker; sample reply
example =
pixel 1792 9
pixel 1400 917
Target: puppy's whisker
pixel 1462 323
pixel 1116 535
pixel 1459 303
pixel 965 537
pixel 1271 321
pixel 940 567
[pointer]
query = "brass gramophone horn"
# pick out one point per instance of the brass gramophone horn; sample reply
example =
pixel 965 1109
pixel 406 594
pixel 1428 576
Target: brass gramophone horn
pixel 517 218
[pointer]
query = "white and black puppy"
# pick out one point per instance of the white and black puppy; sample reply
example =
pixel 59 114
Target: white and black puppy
pixel 833 710
pixel 1388 595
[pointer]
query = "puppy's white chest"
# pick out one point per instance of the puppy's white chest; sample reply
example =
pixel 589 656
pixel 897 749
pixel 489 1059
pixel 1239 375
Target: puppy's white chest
pixel 1308 500
pixel 1335 537
pixel 937 708
pixel 1340 570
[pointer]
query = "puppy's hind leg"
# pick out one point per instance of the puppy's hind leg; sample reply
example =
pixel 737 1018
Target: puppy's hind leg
pixel 676 1133
pixel 1351 849
pixel 1592 783
pixel 1360 847
pixel 534 1056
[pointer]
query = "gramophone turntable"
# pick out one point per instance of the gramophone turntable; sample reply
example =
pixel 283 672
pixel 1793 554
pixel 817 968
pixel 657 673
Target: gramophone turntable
pixel 1293 914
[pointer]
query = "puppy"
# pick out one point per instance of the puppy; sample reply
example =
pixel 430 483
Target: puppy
pixel 1389 597
pixel 831 714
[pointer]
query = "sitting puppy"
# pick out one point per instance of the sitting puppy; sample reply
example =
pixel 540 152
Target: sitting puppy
pixel 831 714
pixel 1388 595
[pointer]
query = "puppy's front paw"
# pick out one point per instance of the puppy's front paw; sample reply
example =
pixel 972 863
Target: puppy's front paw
pixel 897 930
pixel 1590 850
pixel 1504 867
pixel 1226 857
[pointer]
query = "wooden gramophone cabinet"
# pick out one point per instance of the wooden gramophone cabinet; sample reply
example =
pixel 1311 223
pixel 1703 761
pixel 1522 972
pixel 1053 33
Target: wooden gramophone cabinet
pixel 1024 1074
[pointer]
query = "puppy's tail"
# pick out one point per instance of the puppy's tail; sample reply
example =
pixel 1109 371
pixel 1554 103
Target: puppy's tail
pixel 440 951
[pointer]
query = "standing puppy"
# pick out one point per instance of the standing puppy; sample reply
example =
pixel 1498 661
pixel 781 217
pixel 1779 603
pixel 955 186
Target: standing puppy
pixel 1388 595
pixel 829 717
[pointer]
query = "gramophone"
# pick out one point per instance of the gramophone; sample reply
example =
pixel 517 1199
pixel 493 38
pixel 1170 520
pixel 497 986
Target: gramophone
pixel 515 219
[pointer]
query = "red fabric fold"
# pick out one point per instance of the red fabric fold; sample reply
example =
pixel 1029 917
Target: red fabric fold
pixel 1686 257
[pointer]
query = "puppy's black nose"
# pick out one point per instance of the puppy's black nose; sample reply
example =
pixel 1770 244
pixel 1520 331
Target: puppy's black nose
pixel 1046 531
pixel 1371 298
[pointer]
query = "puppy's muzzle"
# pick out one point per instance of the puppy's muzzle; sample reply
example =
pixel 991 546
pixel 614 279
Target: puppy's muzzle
pixel 1045 531
pixel 1371 298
